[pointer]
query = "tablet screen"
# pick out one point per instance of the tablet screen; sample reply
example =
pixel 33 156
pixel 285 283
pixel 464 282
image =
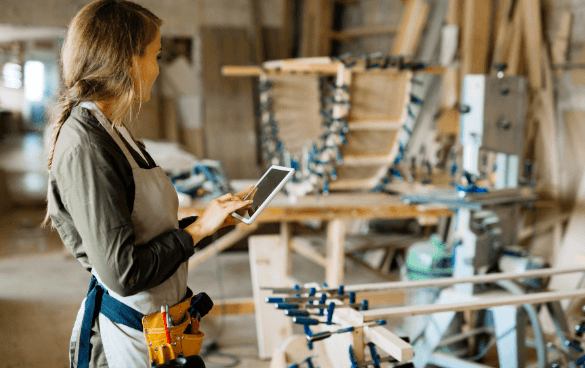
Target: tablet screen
pixel 265 187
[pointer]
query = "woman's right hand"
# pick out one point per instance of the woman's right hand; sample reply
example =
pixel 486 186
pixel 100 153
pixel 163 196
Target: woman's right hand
pixel 216 216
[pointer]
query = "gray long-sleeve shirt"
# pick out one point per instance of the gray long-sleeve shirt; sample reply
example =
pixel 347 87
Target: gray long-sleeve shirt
pixel 91 196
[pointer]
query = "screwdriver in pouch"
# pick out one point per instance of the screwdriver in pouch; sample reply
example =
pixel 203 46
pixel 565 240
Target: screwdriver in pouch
pixel 326 334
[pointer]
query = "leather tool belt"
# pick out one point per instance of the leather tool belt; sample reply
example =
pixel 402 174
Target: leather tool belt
pixel 185 336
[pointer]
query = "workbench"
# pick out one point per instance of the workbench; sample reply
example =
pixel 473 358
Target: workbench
pixel 336 209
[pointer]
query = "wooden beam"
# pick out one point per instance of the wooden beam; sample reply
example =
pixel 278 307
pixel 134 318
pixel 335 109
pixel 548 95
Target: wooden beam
pixel 411 28
pixel 476 34
pixel 533 36
pixel 483 303
pixel 548 123
pixel 480 279
pixel 389 342
pixel 241 231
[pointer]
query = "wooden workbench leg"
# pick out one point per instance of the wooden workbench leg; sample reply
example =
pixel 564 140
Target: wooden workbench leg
pixel 334 274
pixel 266 268
pixel 285 241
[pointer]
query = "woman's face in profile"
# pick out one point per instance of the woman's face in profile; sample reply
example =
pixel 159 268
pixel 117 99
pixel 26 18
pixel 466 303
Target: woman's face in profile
pixel 145 69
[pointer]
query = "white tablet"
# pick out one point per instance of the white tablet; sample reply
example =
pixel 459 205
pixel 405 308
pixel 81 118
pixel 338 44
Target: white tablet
pixel 270 183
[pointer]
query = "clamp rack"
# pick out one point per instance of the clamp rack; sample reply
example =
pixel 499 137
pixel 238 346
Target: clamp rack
pixel 345 326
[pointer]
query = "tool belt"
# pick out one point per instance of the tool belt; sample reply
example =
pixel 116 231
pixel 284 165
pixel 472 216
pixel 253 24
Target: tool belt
pixel 185 336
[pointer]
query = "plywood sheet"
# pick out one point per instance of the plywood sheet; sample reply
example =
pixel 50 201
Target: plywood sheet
pixel 378 95
pixel 297 110
pixel 574 153
pixel 230 126
pixel 363 143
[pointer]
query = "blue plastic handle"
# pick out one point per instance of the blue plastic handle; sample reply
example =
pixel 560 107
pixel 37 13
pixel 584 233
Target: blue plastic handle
pixel 330 311
pixel 274 300
pixel 305 321
pixel 286 306
pixel 374 354
pixel 296 313
pixel 341 290
pixel 365 305
pixel 310 363
pixel 322 301
pixel 351 297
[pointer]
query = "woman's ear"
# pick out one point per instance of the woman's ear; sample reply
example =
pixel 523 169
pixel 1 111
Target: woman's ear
pixel 134 66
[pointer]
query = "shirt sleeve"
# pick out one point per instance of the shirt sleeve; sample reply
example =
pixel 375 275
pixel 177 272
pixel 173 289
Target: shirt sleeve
pixel 94 193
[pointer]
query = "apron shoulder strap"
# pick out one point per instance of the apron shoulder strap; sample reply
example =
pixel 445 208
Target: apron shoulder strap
pixel 105 122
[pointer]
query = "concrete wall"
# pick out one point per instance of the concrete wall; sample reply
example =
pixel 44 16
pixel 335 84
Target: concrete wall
pixel 182 17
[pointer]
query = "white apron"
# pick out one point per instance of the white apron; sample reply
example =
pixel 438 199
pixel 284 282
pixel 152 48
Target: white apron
pixel 155 211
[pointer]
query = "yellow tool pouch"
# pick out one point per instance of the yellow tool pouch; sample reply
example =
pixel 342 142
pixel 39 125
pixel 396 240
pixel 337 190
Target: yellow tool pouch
pixel 186 339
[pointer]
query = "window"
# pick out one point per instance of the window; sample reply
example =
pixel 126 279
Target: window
pixel 34 80
pixel 12 75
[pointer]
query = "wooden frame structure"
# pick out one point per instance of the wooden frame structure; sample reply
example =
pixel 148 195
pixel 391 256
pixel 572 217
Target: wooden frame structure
pixel 376 118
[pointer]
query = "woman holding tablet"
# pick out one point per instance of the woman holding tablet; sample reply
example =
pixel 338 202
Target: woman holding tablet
pixel 114 208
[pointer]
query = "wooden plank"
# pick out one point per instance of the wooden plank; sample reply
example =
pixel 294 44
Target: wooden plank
pixel 476 35
pixel 574 136
pixel 297 109
pixel 311 28
pixel 548 125
pixel 232 306
pixel 578 74
pixel 379 97
pixel 411 27
pixel 560 43
pixel 390 343
pixel 267 269
pixel 542 226
pixel 256 30
pixel 533 37
pixel 241 231
pixel 304 248
pixel 326 24
pixel 484 303
pixel 335 205
pixel 453 16
pixel 504 29
pixel 193 140
pixel 229 103
pixel 514 57
pixel 351 33
pixel 287 19
pixel 171 127
pixel 285 243
pixel 449 121
pixel 241 71
pixel 334 273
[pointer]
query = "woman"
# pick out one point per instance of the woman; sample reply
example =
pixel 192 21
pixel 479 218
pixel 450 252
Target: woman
pixel 114 209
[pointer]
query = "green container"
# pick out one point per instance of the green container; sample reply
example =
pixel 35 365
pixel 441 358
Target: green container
pixel 429 260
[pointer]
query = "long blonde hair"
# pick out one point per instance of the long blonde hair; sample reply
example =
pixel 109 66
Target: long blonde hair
pixel 101 42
